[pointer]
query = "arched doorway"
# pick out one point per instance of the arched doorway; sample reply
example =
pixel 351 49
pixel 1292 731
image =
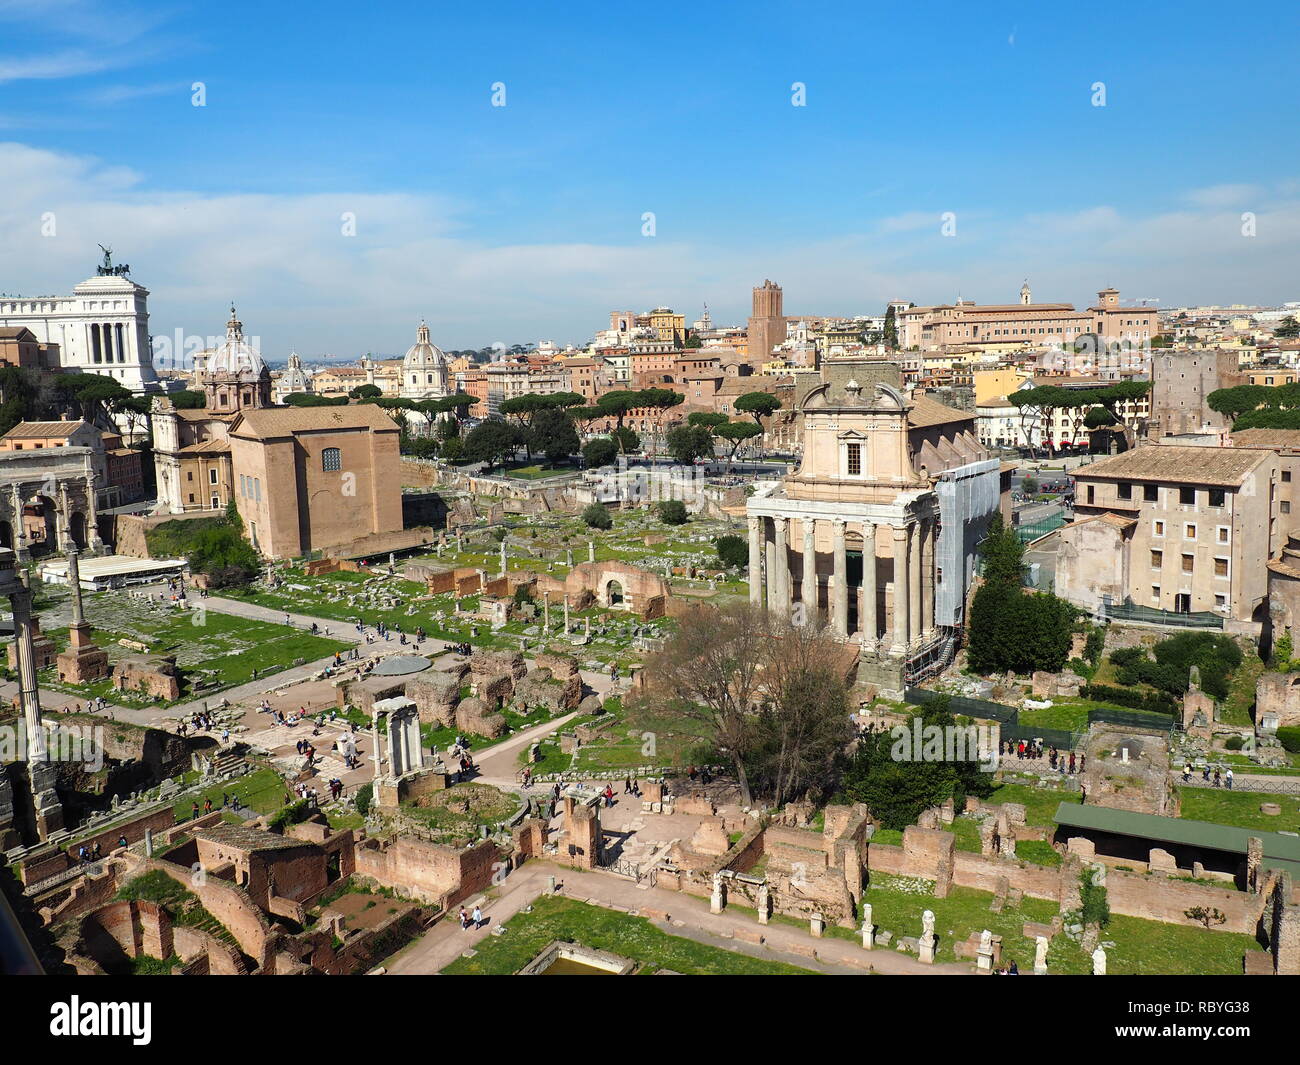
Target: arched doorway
pixel 614 594
pixel 77 529
pixel 6 535
pixel 39 517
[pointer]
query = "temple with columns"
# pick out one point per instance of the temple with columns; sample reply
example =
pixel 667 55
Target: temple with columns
pixel 875 535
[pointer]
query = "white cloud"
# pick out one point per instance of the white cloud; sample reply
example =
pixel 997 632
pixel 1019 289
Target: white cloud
pixel 297 280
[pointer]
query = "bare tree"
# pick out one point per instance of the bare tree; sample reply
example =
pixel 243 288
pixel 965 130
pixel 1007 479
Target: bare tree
pixel 707 677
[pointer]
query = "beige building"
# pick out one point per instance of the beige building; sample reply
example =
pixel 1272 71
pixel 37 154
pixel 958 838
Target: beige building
pixel 313 478
pixel 1177 528
pixel 876 532
pixel 968 323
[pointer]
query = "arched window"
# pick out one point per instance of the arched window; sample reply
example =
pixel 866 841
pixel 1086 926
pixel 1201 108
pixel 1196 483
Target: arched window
pixel 331 459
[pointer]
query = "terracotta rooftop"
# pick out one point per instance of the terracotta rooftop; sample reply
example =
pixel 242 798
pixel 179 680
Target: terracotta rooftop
pixel 1176 464
pixel 926 411
pixel 1267 438
pixel 282 421
pixel 44 430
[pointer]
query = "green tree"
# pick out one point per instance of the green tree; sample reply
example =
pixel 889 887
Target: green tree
pixel 599 451
pixel 553 434
pixel 891 328
pixel 733 551
pixel 759 405
pixel 18 397
pixel 491 441
pixel 735 434
pixel 673 512
pixel 596 516
pixel 188 399
pixel 1288 328
pixel 366 391
pixel 896 787
pixel 627 438
pixel 686 443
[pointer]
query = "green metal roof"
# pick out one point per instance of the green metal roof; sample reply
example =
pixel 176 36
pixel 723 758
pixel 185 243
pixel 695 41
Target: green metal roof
pixel 1280 851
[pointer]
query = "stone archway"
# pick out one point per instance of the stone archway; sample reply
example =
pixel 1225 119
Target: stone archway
pixel 6 534
pixel 614 595
pixel 41 523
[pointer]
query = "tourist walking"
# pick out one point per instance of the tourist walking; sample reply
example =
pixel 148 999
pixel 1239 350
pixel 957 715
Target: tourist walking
pixel 478 917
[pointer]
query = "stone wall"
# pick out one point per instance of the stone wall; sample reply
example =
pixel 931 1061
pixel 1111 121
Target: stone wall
pixel 443 876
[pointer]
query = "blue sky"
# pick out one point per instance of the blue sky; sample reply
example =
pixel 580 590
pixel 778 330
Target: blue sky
pixel 524 222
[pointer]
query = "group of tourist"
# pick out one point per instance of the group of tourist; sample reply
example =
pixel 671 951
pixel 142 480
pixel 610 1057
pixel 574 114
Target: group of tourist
pixel 92 706
pixel 1220 779
pixel 1034 750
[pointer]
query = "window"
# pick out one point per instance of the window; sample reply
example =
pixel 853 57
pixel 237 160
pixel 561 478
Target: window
pixel 1155 592
pixel 853 453
pixel 1286 476
pixel 1285 506
pixel 331 459
pixel 1220 602
pixel 1216 497
pixel 1220 567
pixel 1151 492
pixel 1090 493
pixel 257 489
pixel 1189 532
pixel 1187 496
pixel 189 475
pixel 1157 559
pixel 212 476
pixel 1223 534
pixel 1124 490
pixel 1158 528
pixel 1188 563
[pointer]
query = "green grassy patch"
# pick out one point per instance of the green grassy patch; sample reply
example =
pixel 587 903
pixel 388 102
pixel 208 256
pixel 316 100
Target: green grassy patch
pixel 1239 808
pixel 556 918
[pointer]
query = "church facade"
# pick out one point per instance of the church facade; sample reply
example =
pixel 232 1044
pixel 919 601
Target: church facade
pixel 875 535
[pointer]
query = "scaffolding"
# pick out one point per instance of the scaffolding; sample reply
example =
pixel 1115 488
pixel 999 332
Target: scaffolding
pixel 968 499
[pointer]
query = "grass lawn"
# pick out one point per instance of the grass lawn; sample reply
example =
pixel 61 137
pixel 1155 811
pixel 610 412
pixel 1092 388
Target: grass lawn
pixel 213 651
pixel 1040 803
pixel 557 918
pixel 1063 715
pixel 1239 808
pixel 262 790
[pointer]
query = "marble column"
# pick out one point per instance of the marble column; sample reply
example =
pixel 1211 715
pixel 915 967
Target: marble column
pixel 19 525
pixel 840 584
pixel 914 583
pixel 808 586
pixel 780 595
pixel 899 645
pixel 867 612
pixel 769 574
pixel 927 577
pixel 756 561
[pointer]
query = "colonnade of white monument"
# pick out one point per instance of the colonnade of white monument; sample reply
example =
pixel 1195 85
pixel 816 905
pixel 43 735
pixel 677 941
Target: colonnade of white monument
pixel 893 615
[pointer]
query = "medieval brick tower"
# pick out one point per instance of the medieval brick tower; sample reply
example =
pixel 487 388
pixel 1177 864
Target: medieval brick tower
pixel 766 322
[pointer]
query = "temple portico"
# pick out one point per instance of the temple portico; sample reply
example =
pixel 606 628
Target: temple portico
pixel 866 571
pixel 853 540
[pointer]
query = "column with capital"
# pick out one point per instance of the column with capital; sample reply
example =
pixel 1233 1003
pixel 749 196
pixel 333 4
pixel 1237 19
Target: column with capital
pixel 780 595
pixel 755 561
pixel 19 524
pixel 840 583
pixel 899 645
pixel 914 583
pixel 867 613
pixel 62 522
pixel 808 585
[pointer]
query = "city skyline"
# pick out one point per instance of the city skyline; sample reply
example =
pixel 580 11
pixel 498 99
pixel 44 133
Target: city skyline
pixel 505 224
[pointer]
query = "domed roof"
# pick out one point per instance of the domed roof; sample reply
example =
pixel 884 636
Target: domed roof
pixel 235 356
pixel 423 353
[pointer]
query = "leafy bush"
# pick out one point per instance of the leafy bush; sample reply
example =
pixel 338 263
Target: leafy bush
pixel 1151 702
pixel 363 797
pixel 673 512
pixel 1289 738
pixel 1234 743
pixel 733 551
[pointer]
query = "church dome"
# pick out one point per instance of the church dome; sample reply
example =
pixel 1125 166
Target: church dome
pixel 235 356
pixel 424 354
